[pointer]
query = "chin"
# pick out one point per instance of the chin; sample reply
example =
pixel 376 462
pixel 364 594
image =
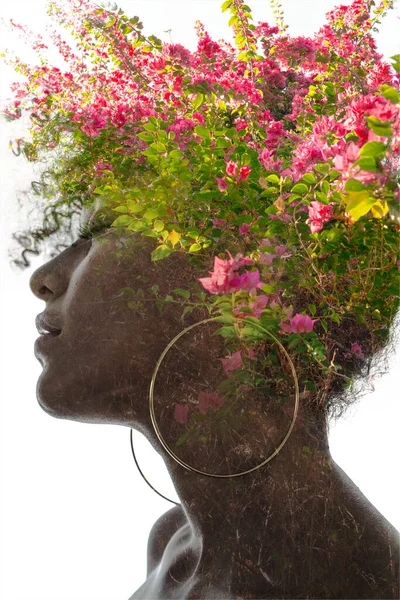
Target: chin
pixel 52 399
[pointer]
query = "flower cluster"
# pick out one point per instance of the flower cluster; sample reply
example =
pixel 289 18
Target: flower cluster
pixel 282 150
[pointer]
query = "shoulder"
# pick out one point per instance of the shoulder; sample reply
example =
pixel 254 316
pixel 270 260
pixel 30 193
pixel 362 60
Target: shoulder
pixel 160 534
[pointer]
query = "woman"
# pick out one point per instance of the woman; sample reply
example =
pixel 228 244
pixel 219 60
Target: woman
pixel 278 159
pixel 296 528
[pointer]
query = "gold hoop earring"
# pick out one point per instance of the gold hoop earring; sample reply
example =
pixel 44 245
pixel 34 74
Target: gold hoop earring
pixel 157 430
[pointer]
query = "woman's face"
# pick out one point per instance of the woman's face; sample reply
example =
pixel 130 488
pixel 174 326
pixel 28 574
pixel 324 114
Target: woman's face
pixel 104 341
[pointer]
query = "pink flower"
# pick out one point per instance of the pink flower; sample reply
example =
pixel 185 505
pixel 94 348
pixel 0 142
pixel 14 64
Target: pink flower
pixel 222 184
pixel 248 282
pixel 225 279
pixel 181 413
pixel 232 362
pixel 218 222
pixel 251 353
pixel 318 215
pixel 299 324
pixel 231 168
pixel 257 307
pixel 209 401
pixel 259 304
pixel 244 173
pixel 357 350
pixel 243 229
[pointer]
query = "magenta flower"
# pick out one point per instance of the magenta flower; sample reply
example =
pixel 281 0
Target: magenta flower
pixel 181 413
pixel 318 215
pixel 243 229
pixel 357 350
pixel 218 222
pixel 231 168
pixel 232 362
pixel 247 282
pixel 244 173
pixel 257 307
pixel 225 279
pixel 299 324
pixel 209 401
pixel 251 354
pixel 222 184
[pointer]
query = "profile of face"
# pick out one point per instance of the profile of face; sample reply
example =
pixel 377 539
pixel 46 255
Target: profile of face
pixel 102 335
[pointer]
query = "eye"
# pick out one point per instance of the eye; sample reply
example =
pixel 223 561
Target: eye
pixel 89 230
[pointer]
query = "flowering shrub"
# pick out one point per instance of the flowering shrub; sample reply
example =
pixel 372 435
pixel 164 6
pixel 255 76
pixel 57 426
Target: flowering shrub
pixel 282 151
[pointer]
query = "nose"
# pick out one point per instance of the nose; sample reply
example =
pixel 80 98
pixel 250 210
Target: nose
pixel 50 280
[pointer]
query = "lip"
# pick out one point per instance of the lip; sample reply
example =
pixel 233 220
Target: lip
pixel 46 326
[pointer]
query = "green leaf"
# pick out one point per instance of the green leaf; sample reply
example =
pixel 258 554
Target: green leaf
pixel 379 127
pixel 161 252
pixel 134 207
pixel 233 21
pixel 225 332
pixel 308 178
pixel 353 185
pixel 181 292
pixel 146 137
pixel 333 175
pixel 150 152
pixel 160 147
pixel 138 225
pixel 312 309
pixel 390 93
pixel 152 213
pixel 158 225
pixel 198 101
pixel 322 168
pixel 121 209
pixel 122 221
pixel 373 149
pixel 273 179
pixel 225 317
pixel 226 5
pixel 359 203
pixel 325 187
pixel 202 132
pixel 150 127
pixel 333 235
pixel 175 154
pixel 366 163
pixel 300 188
pixel 396 62
pixel 195 247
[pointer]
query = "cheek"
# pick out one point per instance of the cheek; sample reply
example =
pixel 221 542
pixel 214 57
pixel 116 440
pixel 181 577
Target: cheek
pixel 99 369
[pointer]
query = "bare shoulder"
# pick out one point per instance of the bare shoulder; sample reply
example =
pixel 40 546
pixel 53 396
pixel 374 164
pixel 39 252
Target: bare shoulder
pixel 160 534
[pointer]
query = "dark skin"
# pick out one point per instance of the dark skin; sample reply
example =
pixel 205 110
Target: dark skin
pixel 296 528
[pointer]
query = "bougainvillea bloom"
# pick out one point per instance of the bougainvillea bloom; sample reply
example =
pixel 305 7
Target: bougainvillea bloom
pixel 244 173
pixel 218 222
pixel 243 229
pixel 222 184
pixel 357 349
pixel 257 306
pixel 209 401
pixel 299 324
pixel 231 168
pixel 181 412
pixel 318 215
pixel 230 363
pixel 226 280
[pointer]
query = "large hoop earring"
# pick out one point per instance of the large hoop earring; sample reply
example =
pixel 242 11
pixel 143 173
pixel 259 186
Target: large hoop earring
pixel 158 432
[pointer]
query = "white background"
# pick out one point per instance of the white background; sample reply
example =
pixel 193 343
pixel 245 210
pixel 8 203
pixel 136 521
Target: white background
pixel 76 513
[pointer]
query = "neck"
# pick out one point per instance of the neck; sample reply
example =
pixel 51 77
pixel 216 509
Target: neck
pixel 220 510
